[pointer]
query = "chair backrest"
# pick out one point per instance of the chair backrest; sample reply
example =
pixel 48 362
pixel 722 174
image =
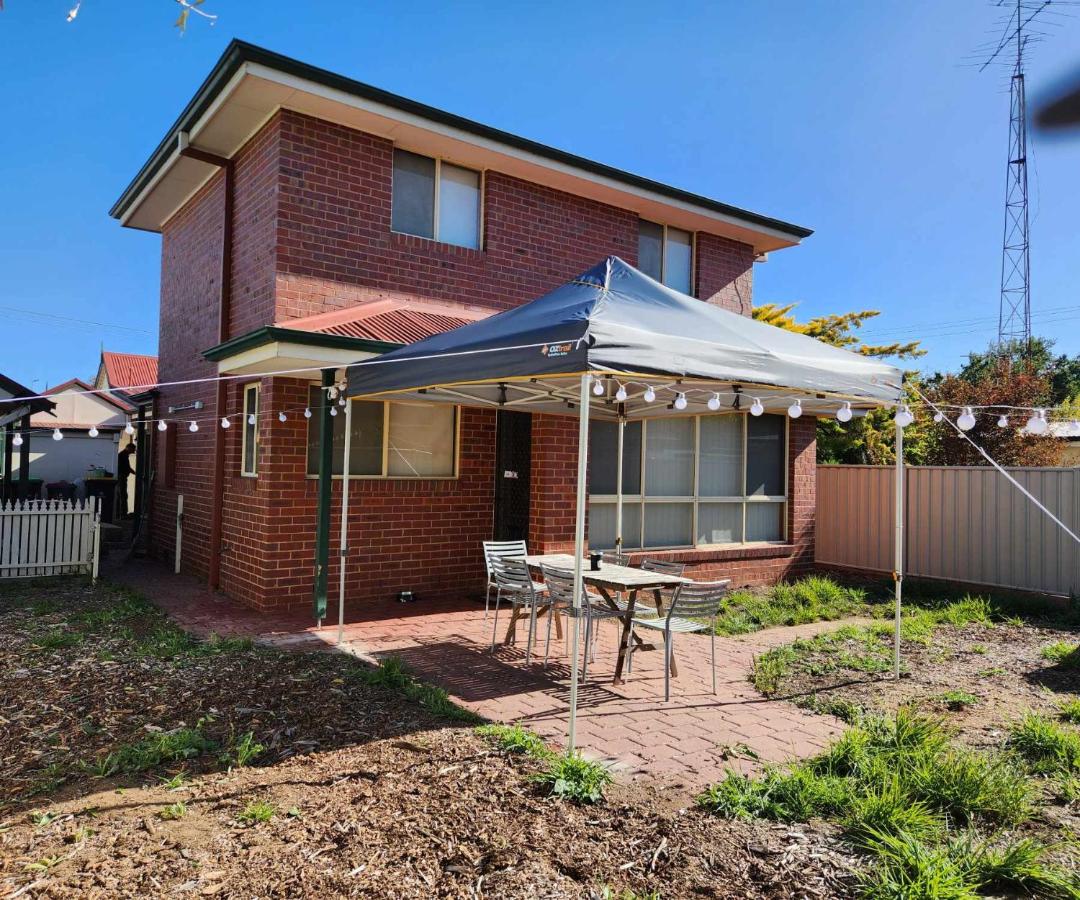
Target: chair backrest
pixel 560 585
pixel 502 550
pixel 663 567
pixel 615 558
pixel 511 575
pixel 698 599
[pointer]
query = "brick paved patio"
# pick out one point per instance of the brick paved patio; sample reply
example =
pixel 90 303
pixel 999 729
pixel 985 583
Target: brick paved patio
pixel 690 739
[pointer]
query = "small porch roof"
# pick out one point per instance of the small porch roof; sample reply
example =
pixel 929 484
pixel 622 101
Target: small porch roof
pixel 627 330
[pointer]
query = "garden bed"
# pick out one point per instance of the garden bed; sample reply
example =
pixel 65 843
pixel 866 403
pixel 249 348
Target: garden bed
pixel 138 761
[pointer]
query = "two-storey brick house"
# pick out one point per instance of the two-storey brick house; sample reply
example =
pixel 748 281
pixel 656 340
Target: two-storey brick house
pixel 308 221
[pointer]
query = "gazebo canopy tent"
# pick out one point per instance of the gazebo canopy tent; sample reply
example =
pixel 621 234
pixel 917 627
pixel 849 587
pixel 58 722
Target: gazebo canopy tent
pixel 614 344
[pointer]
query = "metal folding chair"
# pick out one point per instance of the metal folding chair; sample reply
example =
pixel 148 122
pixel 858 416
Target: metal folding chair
pixel 513 582
pixel 560 585
pixel 499 550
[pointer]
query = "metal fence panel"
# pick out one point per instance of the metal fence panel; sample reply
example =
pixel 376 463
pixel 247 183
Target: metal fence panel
pixel 962 523
pixel 48 537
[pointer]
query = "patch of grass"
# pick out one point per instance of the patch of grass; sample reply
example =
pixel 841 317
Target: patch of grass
pixel 1016 866
pixel 176 782
pixel 256 812
pixel 815 598
pixel 240 752
pixel 1048 747
pixel 978 649
pixel 173 811
pixel 43 864
pixel 956 701
pixel 58 640
pixel 1062 654
pixel 168 746
pixel 966 785
pixel 1069 711
pixel 886 808
pixel 843 709
pixel 908 869
pixel 394 675
pixel 40 820
pixel 128 606
pixel 771 667
pixel 575 778
pixel 515 739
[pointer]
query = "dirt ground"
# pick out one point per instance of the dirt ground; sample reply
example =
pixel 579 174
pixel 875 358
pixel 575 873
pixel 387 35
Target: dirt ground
pixel 1000 666
pixel 366 793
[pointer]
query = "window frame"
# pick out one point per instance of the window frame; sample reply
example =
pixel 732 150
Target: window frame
pixel 249 389
pixel 313 423
pixel 642 499
pixel 481 190
pixel 664 250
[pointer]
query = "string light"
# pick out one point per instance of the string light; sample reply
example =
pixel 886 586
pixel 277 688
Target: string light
pixel 307 413
pixel 341 402
pixel 57 435
pixel 621 394
pixel 598 388
pixel 939 417
pixel 225 423
pixel 844 413
pixel 1037 424
pixel 1003 421
pixel 967 420
pixel 331 392
pixel 680 401
pixel 756 409
pixel 251 419
pixel 714 402
pixel 17 440
pixel 161 426
pixel 194 426
pixel 650 395
pixel 333 410
pixel 795 410
pixel 281 417
pixel 129 429
pixel 93 432
pixel 903 417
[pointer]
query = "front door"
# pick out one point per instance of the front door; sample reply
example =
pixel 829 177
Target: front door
pixel 513 457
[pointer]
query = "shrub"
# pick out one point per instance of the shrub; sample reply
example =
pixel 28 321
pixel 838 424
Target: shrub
pixel 575 778
pixel 515 739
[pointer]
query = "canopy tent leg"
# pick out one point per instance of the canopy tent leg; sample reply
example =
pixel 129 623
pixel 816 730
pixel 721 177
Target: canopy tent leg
pixel 579 552
pixel 344 521
pixel 898 566
pixel 619 486
pixel 322 520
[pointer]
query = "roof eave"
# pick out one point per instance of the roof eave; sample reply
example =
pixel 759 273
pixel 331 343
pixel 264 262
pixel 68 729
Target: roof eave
pixel 274 333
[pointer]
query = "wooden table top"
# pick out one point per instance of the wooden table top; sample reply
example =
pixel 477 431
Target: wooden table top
pixel 620 578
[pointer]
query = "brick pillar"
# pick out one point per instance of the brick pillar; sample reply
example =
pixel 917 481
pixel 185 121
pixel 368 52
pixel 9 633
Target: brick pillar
pixel 802 491
pixel 553 484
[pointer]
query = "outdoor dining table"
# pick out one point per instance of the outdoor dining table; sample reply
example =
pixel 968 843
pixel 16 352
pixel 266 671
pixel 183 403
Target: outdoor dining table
pixel 611 579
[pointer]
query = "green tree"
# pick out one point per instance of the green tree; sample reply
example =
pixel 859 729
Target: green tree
pixel 1035 357
pixel 866 439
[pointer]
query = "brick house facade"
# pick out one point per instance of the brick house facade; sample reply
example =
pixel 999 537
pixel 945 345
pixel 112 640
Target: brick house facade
pixel 310 232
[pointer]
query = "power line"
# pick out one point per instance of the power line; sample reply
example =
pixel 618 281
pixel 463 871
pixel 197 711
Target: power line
pixel 15 312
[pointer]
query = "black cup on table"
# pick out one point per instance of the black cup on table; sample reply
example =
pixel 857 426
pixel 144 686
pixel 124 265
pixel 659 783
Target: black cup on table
pixel 594 561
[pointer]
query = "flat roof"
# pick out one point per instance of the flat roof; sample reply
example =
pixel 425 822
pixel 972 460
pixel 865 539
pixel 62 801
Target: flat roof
pixel 249 83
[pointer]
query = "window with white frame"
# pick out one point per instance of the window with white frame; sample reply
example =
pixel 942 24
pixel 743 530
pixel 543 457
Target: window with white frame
pixel 397 440
pixel 666 254
pixel 249 447
pixel 435 199
pixel 690 481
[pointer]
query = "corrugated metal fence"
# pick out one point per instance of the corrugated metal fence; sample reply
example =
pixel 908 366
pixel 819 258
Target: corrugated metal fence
pixel 961 523
pixel 49 537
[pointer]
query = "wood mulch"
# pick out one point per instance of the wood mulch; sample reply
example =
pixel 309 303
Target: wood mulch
pixel 372 795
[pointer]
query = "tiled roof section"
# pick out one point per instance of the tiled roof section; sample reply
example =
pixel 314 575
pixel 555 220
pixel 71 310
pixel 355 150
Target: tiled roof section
pixel 125 370
pixel 393 321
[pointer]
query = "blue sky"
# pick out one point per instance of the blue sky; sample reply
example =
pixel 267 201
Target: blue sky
pixel 858 120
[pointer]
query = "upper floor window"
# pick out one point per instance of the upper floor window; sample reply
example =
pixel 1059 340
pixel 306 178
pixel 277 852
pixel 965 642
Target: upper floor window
pixel 666 254
pixel 435 199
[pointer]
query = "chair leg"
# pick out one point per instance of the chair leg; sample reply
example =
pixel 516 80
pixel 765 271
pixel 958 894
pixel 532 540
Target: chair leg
pixel 495 627
pixel 630 649
pixel 667 665
pixel 487 600
pixel 547 644
pixel 532 632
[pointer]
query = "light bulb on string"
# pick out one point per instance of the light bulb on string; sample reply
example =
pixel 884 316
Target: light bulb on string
pixel 161 426
pixel 17 440
pixel 756 409
pixel 1037 424
pixel 251 418
pixel 93 432
pixel 714 402
pixel 331 392
pixel 903 417
pixel 649 394
pixel 307 413
pixel 967 420
pixel 598 388
pixel 341 402
pixel 281 417
pixel 621 394
pixel 193 427
pixel 333 410
pixel 680 401
pixel 129 429
pixel 843 414
pixel 225 423
pixel 795 410
pixel 1003 421
pixel 939 417
pixel 57 434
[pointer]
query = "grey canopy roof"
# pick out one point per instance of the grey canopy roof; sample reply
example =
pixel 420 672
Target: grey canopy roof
pixel 614 319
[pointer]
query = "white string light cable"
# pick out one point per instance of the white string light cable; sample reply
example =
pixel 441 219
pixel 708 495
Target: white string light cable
pixel 994 463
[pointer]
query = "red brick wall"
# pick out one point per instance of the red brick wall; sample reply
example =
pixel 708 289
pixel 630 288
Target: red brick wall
pixel 311 234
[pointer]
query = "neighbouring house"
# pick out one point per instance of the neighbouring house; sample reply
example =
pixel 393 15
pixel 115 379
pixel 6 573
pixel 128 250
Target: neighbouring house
pixel 126 374
pixel 309 221
pixel 16 481
pixel 1069 435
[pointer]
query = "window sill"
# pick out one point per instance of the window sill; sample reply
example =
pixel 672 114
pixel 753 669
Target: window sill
pixel 418 240
pixel 718 553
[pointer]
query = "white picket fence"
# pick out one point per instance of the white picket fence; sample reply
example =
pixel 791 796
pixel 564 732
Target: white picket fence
pixel 49 537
